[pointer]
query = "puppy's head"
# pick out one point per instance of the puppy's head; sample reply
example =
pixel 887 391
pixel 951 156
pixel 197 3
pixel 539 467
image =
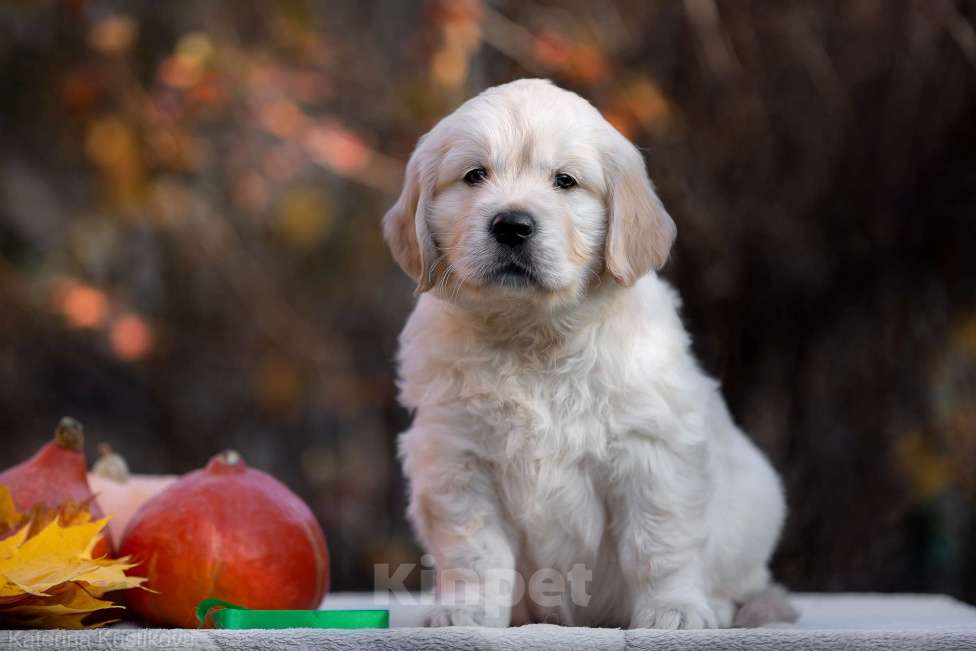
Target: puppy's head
pixel 525 192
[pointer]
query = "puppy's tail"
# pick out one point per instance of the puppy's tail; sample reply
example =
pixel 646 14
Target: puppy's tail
pixel 770 605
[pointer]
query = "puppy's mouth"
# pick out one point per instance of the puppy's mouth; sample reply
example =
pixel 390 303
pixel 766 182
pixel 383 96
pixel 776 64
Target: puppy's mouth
pixel 514 274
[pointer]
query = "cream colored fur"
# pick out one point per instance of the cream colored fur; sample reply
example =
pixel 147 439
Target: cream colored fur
pixel 565 423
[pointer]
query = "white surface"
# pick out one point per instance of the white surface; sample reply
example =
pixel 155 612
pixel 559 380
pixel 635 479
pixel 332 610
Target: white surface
pixel 851 622
pixel 850 612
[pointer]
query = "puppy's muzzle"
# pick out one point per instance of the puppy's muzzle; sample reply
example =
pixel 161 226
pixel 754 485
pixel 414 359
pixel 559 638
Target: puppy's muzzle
pixel 512 228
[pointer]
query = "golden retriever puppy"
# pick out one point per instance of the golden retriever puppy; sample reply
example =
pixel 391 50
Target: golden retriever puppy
pixel 568 461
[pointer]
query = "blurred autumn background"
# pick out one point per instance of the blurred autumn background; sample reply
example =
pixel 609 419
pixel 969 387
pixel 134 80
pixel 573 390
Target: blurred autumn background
pixel 190 256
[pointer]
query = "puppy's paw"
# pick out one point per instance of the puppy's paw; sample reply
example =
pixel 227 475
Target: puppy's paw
pixel 769 606
pixel 455 616
pixel 674 616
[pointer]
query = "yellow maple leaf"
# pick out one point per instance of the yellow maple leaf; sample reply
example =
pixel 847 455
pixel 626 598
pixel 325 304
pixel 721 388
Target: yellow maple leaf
pixel 67 514
pixel 55 555
pixel 10 544
pixel 48 578
pixel 109 575
pixel 9 516
pixel 69 599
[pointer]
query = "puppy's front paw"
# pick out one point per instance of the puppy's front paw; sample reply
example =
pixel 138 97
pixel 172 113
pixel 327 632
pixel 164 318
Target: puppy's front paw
pixel 455 616
pixel 674 616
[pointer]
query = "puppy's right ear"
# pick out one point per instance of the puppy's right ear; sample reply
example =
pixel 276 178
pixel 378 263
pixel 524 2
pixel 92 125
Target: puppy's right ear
pixel 405 225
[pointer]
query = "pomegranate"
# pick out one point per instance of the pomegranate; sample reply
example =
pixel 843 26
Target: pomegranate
pixel 227 531
pixel 56 475
pixel 119 492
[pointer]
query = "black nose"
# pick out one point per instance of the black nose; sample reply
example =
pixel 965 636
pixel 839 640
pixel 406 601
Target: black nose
pixel 512 228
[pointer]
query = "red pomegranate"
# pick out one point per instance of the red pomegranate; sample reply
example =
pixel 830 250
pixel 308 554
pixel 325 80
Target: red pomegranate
pixel 230 532
pixel 55 476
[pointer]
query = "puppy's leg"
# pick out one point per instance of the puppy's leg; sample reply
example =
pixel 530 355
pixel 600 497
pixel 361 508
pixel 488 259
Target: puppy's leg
pixel 475 576
pixel 456 512
pixel 659 515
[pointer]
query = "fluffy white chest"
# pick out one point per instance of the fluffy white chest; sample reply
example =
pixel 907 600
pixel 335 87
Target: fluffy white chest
pixel 546 435
pixel 549 443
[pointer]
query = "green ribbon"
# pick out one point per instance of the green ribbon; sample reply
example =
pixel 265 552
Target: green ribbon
pixel 233 616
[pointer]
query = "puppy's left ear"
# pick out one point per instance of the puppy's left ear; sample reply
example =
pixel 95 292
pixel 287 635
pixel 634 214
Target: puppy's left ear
pixel 639 231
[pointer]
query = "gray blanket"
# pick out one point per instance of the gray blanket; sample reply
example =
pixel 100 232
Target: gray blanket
pixel 827 622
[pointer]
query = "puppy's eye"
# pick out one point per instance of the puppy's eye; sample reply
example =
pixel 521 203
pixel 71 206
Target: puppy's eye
pixel 476 176
pixel 565 181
